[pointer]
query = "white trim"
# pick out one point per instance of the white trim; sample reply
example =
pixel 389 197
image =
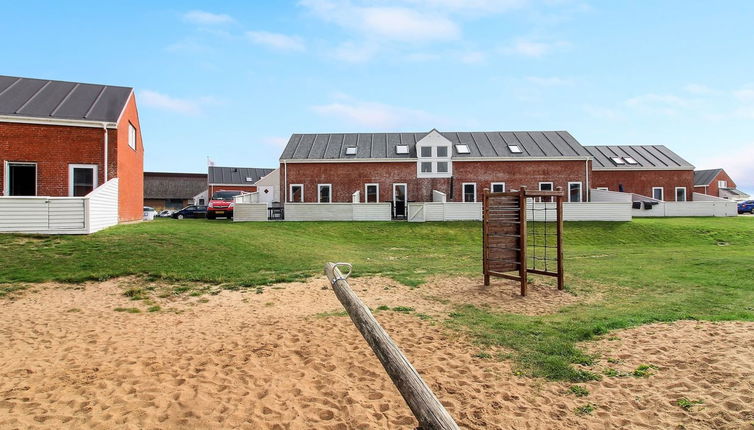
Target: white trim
pixel 552 186
pixel 366 193
pixel 492 186
pixel 623 169
pixel 52 121
pixel 581 191
pixel 453 159
pixel 405 197
pixel 662 193
pixel 136 134
pixel 319 192
pixel 603 188
pixel 290 193
pixel 247 184
pixel 463 192
pixel 81 166
pixel 685 194
pixel 123 111
pixel 722 183
pixel 6 178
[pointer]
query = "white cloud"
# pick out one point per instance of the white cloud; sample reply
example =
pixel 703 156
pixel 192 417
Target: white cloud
pixel 533 48
pixel 376 116
pixel 737 163
pixel 471 5
pixel 277 41
pixel 207 18
pixel 165 102
pixel 699 89
pixel 666 104
pixel 552 81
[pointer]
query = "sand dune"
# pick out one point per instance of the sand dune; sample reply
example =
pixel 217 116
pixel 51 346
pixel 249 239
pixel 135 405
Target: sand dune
pixel 247 360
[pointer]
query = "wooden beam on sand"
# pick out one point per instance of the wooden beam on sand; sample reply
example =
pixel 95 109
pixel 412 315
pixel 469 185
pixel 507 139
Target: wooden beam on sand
pixel 427 409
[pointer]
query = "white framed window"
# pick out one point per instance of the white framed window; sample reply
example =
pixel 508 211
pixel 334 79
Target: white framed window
pixel 425 152
pixel 82 179
pixel 426 167
pixel 20 178
pixel 545 186
pixel 132 136
pixel 296 193
pixel 350 150
pixel 658 193
pixel 497 187
pixel 617 160
pixel 441 152
pixel 401 149
pixel 441 167
pixel 463 149
pixel 603 188
pixel 400 200
pixel 324 193
pixel 574 192
pixel 514 149
pixel 630 160
pixel 469 192
pixel 680 194
pixel 371 193
pixel 722 184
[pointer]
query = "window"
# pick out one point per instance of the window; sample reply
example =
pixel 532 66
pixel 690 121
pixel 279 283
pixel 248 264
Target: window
pixel 630 160
pixel 722 184
pixel 399 200
pixel 351 150
pixel 426 151
pixel 82 179
pixel 618 160
pixel 131 136
pixel 249 179
pixel 463 149
pixel 325 193
pixel 426 167
pixel 680 194
pixel 297 193
pixel 20 179
pixel 545 186
pixel 603 188
pixel 401 149
pixel 442 166
pixel 514 149
pixel 498 187
pixel 371 193
pixel 469 192
pixel 434 162
pixel 658 193
pixel 442 151
pixel 574 191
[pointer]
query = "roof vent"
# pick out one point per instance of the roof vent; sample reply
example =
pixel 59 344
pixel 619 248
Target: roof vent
pixel 351 150
pixel 514 149
pixel 630 160
pixel 401 149
pixel 618 160
pixel 463 149
pixel 248 179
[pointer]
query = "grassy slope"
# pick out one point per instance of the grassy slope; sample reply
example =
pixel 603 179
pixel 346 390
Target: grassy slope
pixel 647 270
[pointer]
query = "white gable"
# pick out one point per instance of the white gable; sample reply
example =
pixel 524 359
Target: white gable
pixel 433 138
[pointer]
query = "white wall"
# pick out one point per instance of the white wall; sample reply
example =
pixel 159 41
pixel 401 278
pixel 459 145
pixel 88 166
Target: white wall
pixel 597 211
pixel 609 196
pixel 250 212
pixel 271 180
pixel 686 209
pixel 103 206
pixel 337 212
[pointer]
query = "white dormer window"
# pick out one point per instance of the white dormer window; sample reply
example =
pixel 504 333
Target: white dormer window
pixel 351 150
pixel 425 152
pixel 463 149
pixel 248 179
pixel 514 149
pixel 630 160
pixel 442 151
pixel 434 156
pixel 617 160
pixel 401 149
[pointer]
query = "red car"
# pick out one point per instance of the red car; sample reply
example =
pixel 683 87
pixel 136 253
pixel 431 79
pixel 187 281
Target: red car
pixel 221 204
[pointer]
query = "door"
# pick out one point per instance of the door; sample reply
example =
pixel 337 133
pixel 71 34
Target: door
pixel 22 179
pixel 416 212
pixel 266 194
pixel 399 201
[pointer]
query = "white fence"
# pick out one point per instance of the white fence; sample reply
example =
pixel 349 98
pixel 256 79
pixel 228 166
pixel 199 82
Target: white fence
pixel 337 212
pixel 687 209
pixel 599 196
pixel 250 212
pixel 61 215
pixel 456 211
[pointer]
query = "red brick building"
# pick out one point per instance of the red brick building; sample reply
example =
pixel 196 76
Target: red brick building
pixel 717 183
pixel 234 178
pixel 66 139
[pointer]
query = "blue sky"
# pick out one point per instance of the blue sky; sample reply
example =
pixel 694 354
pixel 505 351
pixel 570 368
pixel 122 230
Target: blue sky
pixel 232 80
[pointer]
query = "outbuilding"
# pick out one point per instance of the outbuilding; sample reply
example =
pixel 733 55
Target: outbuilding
pixel 164 190
pixel 717 183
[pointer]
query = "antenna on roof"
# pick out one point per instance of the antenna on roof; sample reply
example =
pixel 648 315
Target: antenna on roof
pixel 210 162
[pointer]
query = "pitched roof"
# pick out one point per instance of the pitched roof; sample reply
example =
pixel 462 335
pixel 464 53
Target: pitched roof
pixel 646 157
pixel 705 177
pixel 236 175
pixel 41 98
pixel 161 185
pixel 332 146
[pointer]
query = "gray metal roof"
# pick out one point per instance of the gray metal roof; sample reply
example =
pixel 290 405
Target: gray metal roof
pixel 41 98
pixel 646 156
pixel 331 146
pixel 705 177
pixel 162 185
pixel 236 175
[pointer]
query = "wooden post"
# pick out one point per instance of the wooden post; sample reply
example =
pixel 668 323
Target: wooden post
pixel 485 240
pixel 559 250
pixel 427 409
pixel 522 240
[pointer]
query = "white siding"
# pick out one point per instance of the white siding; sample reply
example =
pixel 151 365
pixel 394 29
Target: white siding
pixel 456 211
pixel 271 180
pixel 250 212
pixel 594 211
pixel 687 209
pixel 67 214
pixel 609 196
pixel 103 206
pixel 372 212
pixel 434 211
pixel 337 212
pixel 23 214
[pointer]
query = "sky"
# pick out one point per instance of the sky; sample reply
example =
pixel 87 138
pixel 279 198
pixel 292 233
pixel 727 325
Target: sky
pixel 233 80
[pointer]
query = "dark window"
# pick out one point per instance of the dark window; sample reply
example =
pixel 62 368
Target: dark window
pixel 469 192
pixel 226 196
pixel 22 179
pixel 442 151
pixel 545 186
pixel 83 181
pixel 324 194
pixel 574 192
pixel 426 151
pixel 372 193
pixel 498 188
pixel 297 193
pixel 426 167
pixel 680 194
pixel 657 193
pixel 442 167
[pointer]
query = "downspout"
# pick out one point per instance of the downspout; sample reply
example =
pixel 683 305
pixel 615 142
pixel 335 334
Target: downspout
pixel 586 174
pixel 285 182
pixel 104 128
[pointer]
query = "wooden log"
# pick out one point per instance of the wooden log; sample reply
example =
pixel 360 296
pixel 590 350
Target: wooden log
pixel 427 409
pixel 561 281
pixel 522 241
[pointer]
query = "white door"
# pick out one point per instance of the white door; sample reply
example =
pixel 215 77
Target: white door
pixel 266 194
pixel 416 212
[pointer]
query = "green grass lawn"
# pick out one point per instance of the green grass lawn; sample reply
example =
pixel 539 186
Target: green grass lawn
pixel 644 271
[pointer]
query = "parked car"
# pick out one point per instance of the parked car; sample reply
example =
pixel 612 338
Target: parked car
pixel 191 211
pixel 149 213
pixel 221 204
pixel 165 214
pixel 747 206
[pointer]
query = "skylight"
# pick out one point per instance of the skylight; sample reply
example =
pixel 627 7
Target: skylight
pixel 463 149
pixel 630 160
pixel 248 179
pixel 401 149
pixel 617 160
pixel 514 149
pixel 351 150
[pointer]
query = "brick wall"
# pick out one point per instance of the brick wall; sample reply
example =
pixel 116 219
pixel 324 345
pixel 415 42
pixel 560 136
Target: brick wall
pixel 642 181
pixel 247 188
pixel 346 178
pixel 130 166
pixel 712 189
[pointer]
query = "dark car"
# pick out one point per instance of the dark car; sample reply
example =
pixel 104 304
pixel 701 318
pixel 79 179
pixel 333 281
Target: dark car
pixel 191 211
pixel 747 206
pixel 221 204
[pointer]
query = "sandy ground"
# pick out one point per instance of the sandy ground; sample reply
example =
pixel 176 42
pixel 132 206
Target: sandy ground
pixel 256 361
